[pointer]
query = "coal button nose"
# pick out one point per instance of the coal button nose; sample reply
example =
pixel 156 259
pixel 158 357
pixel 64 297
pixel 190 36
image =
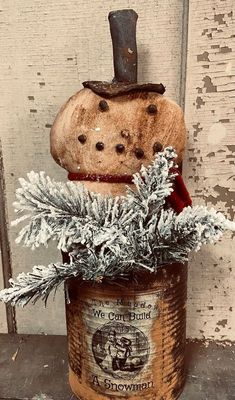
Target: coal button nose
pixel 120 148
pixel 139 153
pixel 103 105
pixel 152 109
pixel 82 138
pixel 99 146
pixel 157 147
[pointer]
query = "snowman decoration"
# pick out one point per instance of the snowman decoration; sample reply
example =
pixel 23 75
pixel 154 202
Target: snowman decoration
pixel 106 131
pixel 125 233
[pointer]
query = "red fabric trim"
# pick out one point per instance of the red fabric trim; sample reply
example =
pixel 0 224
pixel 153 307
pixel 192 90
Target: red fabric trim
pixel 176 202
pixel 178 199
pixel 78 176
pixel 182 190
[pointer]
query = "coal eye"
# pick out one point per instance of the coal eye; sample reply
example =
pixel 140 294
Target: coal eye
pixel 103 105
pixel 82 138
pixel 152 109
pixel 157 147
pixel 139 153
pixel 125 133
pixel 99 146
pixel 120 148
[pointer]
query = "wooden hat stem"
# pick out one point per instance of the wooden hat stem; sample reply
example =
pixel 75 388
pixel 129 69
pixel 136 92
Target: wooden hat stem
pixel 123 33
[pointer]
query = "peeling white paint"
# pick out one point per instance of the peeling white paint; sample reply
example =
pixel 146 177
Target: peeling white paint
pixel 209 166
pixel 228 68
pixel 216 133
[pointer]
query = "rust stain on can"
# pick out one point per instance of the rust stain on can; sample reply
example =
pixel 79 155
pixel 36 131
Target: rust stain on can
pixel 128 342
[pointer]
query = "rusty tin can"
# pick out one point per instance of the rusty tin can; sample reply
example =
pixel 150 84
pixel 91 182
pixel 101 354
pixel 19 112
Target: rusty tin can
pixel 127 341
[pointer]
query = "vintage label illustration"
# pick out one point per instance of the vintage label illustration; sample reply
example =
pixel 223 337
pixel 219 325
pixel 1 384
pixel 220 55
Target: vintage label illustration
pixel 120 350
pixel 119 342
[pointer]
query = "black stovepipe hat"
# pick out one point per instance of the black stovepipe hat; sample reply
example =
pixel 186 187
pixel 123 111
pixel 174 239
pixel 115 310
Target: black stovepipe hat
pixel 125 60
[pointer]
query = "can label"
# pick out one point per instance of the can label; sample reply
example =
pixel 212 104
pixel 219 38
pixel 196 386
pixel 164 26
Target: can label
pixel 118 342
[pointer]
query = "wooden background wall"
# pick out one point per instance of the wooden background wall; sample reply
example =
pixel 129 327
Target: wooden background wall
pixel 48 48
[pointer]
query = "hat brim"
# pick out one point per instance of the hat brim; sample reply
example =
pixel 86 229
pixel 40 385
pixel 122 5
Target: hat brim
pixel 118 88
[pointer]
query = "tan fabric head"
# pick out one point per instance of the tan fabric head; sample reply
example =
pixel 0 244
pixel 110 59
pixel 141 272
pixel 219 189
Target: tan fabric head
pixel 94 135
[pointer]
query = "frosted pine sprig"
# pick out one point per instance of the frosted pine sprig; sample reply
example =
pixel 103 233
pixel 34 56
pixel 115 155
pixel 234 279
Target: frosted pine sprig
pixel 37 284
pixel 188 231
pixel 54 209
pixel 153 183
pixel 69 214
pixel 107 237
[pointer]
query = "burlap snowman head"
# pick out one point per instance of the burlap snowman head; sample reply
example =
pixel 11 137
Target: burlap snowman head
pixel 106 131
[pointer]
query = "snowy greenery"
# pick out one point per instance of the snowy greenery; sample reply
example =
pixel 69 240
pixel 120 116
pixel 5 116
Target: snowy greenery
pixel 38 283
pixel 107 237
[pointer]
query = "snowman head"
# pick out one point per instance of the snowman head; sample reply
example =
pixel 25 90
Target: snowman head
pixel 111 129
pixel 98 135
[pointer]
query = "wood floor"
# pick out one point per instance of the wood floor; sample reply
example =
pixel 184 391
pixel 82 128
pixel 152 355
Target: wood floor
pixel 35 368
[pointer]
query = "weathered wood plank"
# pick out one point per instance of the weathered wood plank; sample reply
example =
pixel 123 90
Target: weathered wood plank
pixel 7 313
pixel 3 320
pixel 209 167
pixel 40 370
pixel 48 48
pixel 32 366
